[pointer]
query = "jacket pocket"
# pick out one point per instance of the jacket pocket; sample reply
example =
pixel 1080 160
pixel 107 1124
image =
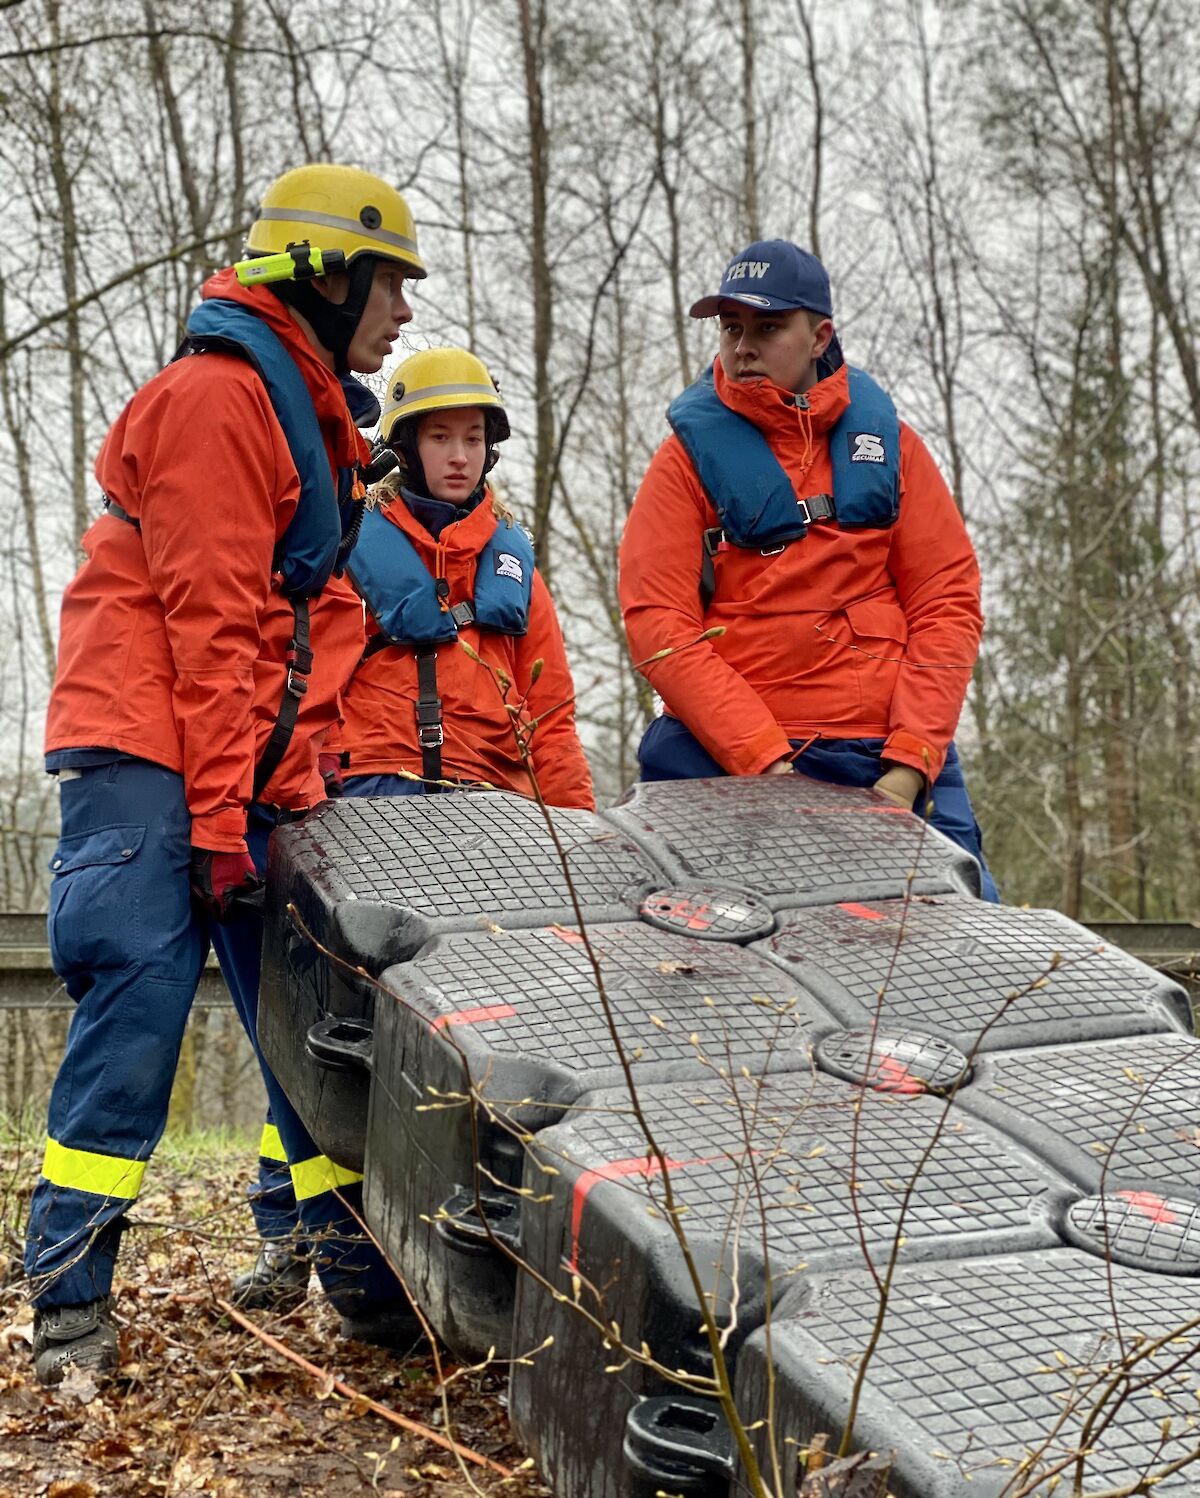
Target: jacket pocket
pixel 95 900
pixel 878 619
pixel 880 633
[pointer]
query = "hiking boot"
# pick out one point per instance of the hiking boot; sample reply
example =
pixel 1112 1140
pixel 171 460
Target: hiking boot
pixel 393 1326
pixel 278 1281
pixel 82 1336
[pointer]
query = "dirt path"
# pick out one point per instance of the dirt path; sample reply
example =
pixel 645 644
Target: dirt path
pixel 203 1407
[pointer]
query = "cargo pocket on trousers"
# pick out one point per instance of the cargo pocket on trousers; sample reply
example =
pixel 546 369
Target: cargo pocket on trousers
pixel 95 900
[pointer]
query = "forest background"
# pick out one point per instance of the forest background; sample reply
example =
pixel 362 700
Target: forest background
pixel 1004 192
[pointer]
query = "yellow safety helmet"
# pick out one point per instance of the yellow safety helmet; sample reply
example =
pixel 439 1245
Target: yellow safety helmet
pixel 336 208
pixel 443 379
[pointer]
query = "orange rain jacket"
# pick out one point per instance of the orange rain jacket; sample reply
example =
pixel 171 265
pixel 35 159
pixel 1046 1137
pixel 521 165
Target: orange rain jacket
pixel 841 634
pixel 173 638
pixel 379 736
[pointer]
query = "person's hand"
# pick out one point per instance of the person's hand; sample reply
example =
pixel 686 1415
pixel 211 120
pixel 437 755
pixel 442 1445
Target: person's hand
pixel 901 784
pixel 330 766
pixel 224 885
pixel 779 767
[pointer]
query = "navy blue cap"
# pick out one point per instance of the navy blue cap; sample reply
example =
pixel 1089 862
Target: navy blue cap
pixel 775 276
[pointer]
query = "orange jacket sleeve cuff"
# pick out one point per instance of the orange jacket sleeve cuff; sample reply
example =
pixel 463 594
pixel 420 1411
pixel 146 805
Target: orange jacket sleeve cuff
pixel 759 752
pixel 220 832
pixel 920 755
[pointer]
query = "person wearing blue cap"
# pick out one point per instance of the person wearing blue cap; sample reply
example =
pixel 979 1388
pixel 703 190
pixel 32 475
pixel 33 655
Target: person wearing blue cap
pixel 812 533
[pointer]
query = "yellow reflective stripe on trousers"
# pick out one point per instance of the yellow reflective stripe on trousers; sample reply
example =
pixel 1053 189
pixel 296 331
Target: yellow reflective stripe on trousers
pixel 320 1174
pixel 101 1175
pixel 270 1146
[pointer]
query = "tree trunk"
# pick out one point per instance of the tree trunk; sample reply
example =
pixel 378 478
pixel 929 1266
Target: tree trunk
pixel 533 25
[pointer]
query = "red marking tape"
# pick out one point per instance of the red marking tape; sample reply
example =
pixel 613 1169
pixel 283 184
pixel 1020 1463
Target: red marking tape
pixel 697 916
pixel 893 1076
pixel 474 1016
pixel 863 912
pixel 643 1165
pixel 1149 1205
pixel 564 933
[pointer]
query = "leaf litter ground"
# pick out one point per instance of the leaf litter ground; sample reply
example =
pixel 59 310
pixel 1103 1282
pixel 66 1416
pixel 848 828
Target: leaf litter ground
pixel 201 1406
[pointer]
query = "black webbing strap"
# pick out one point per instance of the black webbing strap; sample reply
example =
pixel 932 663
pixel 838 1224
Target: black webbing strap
pixel 299 664
pixel 428 707
pixel 119 512
pixel 708 576
pixel 374 645
pixel 817 509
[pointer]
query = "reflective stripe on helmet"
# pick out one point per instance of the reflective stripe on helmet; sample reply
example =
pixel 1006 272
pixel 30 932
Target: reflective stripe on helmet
pixel 484 394
pixel 85 1170
pixel 344 225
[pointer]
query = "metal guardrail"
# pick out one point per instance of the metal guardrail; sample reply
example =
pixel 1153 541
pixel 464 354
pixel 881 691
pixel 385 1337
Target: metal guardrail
pixel 1172 947
pixel 27 980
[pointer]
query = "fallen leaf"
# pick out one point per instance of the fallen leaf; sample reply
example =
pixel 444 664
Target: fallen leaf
pixel 77 1384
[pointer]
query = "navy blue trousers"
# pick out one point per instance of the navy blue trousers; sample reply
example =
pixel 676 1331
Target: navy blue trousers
pixel 669 751
pixel 129 947
pixel 272 1197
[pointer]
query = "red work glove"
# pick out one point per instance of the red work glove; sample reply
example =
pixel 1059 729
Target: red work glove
pixel 224 885
pixel 330 766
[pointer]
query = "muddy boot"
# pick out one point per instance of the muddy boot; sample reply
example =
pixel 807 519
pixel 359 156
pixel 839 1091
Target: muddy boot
pixel 394 1326
pixel 278 1281
pixel 81 1336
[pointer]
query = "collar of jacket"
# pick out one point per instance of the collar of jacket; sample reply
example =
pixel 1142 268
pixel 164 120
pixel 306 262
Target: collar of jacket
pixel 773 409
pixel 437 514
pixel 345 442
pixel 468 535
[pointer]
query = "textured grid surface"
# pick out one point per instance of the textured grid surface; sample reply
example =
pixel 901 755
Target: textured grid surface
pixel 1129 1109
pixel 895 1061
pixel 950 965
pixel 710 913
pixel 1140 1229
pixel 789 839
pixel 533 994
pixel 980 1358
pixel 474 855
pixel 798 1143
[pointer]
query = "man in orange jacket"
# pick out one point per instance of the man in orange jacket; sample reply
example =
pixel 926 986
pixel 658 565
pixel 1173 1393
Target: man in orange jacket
pixel 193 685
pixel 812 528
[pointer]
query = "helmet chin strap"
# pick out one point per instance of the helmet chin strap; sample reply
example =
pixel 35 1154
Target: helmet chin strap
pixel 334 323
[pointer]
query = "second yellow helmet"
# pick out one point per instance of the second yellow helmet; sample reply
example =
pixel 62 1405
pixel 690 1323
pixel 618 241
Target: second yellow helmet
pixel 442 379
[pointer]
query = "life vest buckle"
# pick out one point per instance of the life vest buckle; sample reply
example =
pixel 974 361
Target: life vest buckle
pixel 817 509
pixel 772 551
pixel 297 682
pixel 462 614
pixel 429 723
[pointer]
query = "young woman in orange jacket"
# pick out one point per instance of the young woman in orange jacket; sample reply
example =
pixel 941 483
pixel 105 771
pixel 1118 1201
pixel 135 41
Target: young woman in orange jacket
pixel 460 625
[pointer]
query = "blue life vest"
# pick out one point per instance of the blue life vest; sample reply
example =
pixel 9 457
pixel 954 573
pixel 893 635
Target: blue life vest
pixel 307 552
pixel 402 595
pixel 748 486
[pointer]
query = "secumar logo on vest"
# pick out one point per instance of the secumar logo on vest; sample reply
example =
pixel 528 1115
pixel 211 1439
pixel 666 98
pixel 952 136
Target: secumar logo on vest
pixel 866 447
pixel 508 565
